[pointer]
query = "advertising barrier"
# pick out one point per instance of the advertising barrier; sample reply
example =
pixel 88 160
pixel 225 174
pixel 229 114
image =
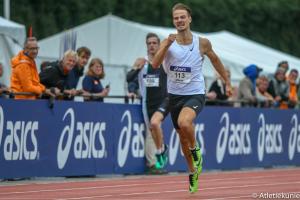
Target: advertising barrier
pixel 89 138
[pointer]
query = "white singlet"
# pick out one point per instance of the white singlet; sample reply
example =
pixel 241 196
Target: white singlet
pixel 184 68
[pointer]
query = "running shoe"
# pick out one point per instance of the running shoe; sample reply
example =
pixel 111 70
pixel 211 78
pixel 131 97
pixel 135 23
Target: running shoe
pixel 164 155
pixel 154 170
pixel 159 161
pixel 193 179
pixel 197 158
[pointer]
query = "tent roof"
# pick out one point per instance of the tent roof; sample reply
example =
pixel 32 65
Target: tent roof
pixel 12 29
pixel 120 42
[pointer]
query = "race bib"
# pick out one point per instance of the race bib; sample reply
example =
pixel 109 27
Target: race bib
pixel 151 80
pixel 180 74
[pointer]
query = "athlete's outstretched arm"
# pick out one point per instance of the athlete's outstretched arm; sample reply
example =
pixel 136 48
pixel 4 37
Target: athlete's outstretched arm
pixel 138 65
pixel 163 50
pixel 216 62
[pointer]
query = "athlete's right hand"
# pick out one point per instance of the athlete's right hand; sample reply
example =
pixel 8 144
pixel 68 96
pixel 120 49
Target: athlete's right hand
pixel 171 39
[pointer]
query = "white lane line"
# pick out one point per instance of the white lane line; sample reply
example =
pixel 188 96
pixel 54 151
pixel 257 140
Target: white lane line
pixel 129 185
pixel 145 193
pixel 129 178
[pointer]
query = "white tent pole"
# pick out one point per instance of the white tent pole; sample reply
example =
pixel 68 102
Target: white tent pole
pixel 109 38
pixel 6 7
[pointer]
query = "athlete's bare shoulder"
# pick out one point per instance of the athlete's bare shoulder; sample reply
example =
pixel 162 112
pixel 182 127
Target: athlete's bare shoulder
pixel 204 45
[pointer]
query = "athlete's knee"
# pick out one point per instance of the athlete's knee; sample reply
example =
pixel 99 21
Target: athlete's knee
pixel 184 125
pixel 155 124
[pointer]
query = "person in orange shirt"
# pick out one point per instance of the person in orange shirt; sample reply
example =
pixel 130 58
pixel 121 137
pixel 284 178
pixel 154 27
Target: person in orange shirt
pixel 293 99
pixel 24 76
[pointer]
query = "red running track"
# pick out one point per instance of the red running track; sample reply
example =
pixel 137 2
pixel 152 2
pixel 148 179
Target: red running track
pixel 235 185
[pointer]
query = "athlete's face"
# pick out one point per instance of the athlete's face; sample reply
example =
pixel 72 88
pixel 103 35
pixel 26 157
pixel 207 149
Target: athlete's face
pixel 152 45
pixel 181 20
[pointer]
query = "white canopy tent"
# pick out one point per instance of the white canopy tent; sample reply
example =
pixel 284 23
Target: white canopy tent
pixel 12 37
pixel 119 43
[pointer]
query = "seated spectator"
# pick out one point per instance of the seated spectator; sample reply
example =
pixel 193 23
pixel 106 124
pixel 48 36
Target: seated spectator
pixel 247 85
pixel 24 76
pixel 218 87
pixel 55 76
pixel 278 87
pixel 293 99
pixel 44 65
pixel 261 91
pixel 83 58
pixel 91 83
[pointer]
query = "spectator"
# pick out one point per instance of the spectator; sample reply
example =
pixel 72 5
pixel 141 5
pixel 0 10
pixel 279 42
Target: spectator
pixel 133 89
pixel 278 87
pixel 74 75
pixel 1 84
pixel 261 91
pixel 44 65
pixel 218 87
pixel 4 90
pixel 298 96
pixel 24 76
pixel 293 99
pixel 55 76
pixel 247 85
pixel 285 65
pixel 1 72
pixel 91 83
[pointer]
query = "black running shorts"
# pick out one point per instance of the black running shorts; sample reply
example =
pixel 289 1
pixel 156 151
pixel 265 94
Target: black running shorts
pixel 178 102
pixel 149 108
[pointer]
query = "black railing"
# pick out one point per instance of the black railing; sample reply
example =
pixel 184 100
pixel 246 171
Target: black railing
pixel 126 98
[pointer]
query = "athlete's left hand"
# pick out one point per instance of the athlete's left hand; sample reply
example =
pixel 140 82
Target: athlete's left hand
pixel 229 90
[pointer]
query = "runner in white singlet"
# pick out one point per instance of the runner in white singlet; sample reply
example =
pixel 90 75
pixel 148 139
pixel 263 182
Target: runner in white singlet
pixel 183 55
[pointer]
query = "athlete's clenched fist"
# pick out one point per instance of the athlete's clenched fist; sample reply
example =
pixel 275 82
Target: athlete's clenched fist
pixel 171 39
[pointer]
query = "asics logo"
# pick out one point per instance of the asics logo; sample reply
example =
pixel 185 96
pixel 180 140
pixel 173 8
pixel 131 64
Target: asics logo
pixel 195 107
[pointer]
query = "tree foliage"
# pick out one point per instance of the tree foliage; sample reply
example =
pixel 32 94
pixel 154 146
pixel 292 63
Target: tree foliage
pixel 275 23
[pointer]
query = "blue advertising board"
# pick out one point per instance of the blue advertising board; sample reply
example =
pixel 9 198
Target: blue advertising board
pixel 88 138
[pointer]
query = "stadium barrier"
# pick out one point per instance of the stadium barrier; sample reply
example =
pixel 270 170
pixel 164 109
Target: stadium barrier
pixel 89 138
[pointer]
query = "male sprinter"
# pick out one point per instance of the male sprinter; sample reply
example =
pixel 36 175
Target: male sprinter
pixel 183 55
pixel 153 88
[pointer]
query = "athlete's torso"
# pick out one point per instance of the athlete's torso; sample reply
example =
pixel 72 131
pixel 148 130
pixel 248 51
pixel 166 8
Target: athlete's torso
pixel 153 82
pixel 184 69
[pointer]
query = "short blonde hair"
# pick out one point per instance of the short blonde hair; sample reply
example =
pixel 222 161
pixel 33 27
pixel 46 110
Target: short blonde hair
pixel 90 71
pixel 181 6
pixel 70 53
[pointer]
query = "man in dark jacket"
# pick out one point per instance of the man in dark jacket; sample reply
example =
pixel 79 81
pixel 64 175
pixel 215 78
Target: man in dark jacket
pixel 55 76
pixel 74 75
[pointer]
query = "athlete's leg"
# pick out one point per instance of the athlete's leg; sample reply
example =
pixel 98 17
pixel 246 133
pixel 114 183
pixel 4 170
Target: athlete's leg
pixel 149 149
pixel 185 122
pixel 185 149
pixel 156 129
